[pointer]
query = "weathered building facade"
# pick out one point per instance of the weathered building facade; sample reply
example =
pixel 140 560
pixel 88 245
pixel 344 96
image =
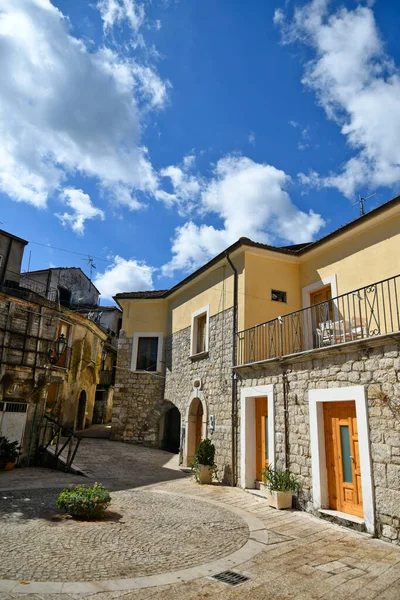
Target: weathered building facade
pixel 282 356
pixel 11 253
pixel 69 286
pixel 35 380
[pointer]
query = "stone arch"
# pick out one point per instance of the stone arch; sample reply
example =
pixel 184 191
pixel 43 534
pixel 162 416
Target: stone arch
pixel 156 422
pixel 169 432
pixel 195 424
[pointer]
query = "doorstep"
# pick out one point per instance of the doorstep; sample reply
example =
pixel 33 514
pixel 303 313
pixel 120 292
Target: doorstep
pixel 345 519
pixel 256 492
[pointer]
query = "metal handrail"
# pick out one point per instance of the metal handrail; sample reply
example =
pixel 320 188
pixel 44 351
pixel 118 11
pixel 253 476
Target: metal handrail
pixel 52 437
pixel 360 314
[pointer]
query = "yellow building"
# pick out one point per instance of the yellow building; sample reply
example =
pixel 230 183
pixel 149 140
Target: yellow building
pixel 273 353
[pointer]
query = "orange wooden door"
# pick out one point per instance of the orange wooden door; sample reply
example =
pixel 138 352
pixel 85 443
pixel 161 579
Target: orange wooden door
pixel 261 435
pixel 342 457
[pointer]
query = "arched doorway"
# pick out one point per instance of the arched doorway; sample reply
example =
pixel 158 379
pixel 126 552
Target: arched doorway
pixel 171 435
pixel 80 418
pixel 195 428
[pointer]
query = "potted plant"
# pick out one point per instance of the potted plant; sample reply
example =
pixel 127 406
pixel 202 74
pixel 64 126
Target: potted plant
pixel 279 486
pixel 9 452
pixel 203 464
pixel 84 502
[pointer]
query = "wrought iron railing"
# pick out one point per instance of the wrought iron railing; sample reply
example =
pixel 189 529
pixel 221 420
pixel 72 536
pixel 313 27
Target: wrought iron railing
pixel 361 314
pixel 21 284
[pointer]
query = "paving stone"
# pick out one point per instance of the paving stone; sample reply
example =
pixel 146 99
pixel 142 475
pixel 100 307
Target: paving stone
pixel 168 522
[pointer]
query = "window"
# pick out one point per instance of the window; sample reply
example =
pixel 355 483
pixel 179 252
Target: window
pixel 147 351
pixel 278 296
pixel 1 260
pixel 147 354
pixel 199 333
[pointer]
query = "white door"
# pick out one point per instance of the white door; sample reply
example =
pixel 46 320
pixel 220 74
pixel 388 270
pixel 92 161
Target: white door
pixel 12 420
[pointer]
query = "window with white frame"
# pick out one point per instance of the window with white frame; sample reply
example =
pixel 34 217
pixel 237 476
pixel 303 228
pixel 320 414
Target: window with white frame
pixel 199 333
pixel 147 351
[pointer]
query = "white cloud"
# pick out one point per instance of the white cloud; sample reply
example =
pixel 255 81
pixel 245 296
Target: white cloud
pixel 357 85
pixel 82 210
pixel 124 276
pixel 252 138
pixel 115 12
pixel 65 109
pixel 252 201
pixel 186 185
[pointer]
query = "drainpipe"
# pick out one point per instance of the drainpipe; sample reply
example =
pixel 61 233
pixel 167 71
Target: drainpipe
pixel 234 380
pixel 286 416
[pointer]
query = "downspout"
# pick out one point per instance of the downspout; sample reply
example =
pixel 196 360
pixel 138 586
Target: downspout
pixel 234 380
pixel 286 418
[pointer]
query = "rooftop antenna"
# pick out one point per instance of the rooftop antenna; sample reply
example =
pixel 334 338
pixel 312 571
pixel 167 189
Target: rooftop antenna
pixel 361 202
pixel 90 260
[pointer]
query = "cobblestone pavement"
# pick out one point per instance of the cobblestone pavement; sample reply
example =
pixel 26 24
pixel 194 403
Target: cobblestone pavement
pixel 299 557
pixel 136 542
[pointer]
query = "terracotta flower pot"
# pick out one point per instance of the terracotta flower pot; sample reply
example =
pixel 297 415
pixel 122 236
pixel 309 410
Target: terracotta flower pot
pixel 6 466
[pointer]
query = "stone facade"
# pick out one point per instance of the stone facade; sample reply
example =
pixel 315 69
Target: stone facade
pixel 140 399
pixel 29 326
pixel 214 370
pixel 376 368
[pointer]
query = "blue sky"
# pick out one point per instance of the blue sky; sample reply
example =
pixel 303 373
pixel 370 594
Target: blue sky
pixel 154 134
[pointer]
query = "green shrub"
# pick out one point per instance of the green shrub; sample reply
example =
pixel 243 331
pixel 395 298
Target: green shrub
pixel 279 481
pixel 205 454
pixel 9 451
pixel 84 502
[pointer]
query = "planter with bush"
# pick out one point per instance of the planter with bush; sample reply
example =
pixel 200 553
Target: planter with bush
pixel 84 502
pixel 9 452
pixel 203 464
pixel 279 487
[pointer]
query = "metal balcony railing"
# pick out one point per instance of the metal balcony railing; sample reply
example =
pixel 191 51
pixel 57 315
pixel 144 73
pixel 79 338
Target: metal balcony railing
pixel 21 284
pixel 367 312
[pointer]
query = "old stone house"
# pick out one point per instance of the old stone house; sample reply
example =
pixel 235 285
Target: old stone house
pixel 69 286
pixel 35 380
pixel 283 356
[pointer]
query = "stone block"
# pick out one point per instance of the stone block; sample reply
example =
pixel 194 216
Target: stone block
pixel 393 477
pixel 389 532
pixel 358 365
pixel 388 501
pixel 381 452
pixel 379 470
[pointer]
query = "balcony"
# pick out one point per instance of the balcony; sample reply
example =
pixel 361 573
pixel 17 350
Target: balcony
pixel 23 286
pixel 362 314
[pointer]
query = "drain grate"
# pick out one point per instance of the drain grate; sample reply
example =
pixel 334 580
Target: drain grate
pixel 231 578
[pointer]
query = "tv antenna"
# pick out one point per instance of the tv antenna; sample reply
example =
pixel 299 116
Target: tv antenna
pixel 90 260
pixel 361 203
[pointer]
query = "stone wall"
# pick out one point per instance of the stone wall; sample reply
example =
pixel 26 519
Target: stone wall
pixel 215 372
pixel 378 369
pixel 140 399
